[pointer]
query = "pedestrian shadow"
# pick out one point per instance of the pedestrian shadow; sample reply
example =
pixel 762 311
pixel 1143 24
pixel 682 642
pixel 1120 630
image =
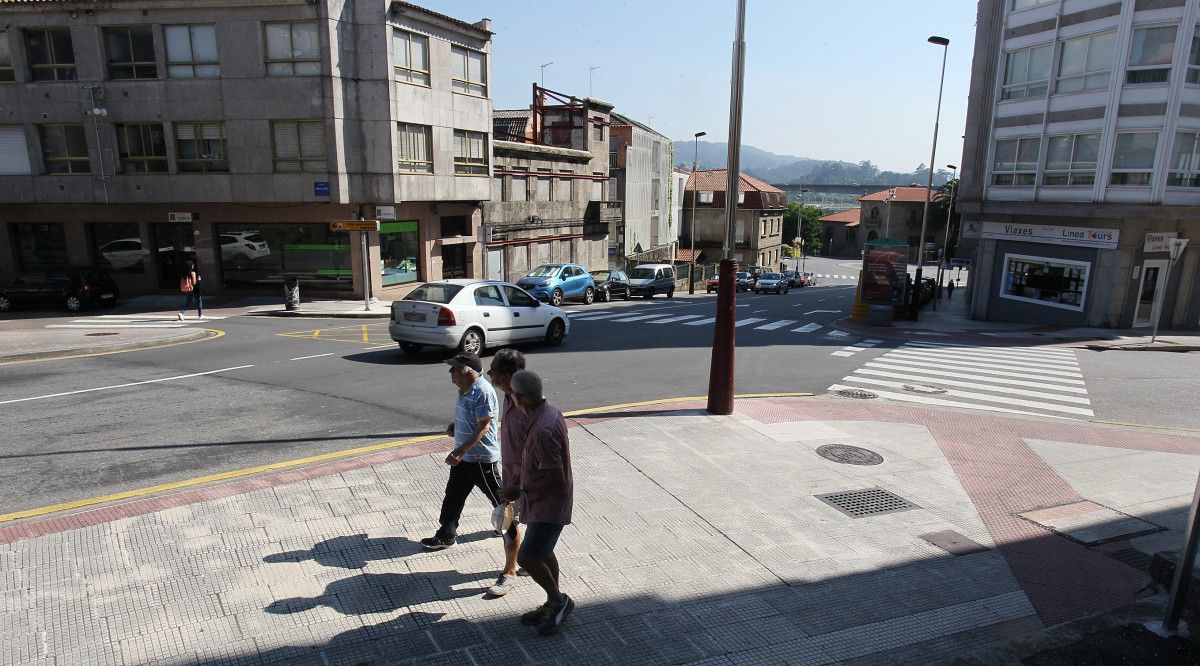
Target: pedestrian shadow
pixel 365 593
pixel 354 551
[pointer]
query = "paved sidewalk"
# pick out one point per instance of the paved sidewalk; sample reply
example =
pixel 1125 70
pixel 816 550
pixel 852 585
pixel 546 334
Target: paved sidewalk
pixel 697 539
pixel 26 343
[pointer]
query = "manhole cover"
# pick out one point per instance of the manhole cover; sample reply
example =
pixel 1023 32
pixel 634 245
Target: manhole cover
pixel 92 335
pixel 850 455
pixel 858 394
pixel 923 388
pixel 866 502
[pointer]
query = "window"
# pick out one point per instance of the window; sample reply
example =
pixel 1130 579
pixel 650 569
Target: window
pixel 1150 55
pixel 292 49
pixel 6 62
pixel 454 261
pixel 706 197
pixel 14 151
pixel 489 296
pixel 597 187
pixel 64 149
pixel 520 189
pixel 191 51
pixel 117 247
pixel 517 298
pixel 1133 160
pixel 1018 5
pixel 1193 72
pixel 597 129
pixel 562 186
pixel 453 226
pixel 1071 159
pixel 142 148
pixel 200 147
pixel 1026 73
pixel 412 148
pixel 1085 63
pixel 51 56
pixel 543 189
pixel 741 198
pixel 655 193
pixel 1058 283
pixel 298 145
pixel 398 249
pixel 1185 161
pixel 411 57
pixel 470 153
pixel 40 245
pixel 469 73
pixel 1015 161
pixel 258 255
pixel 130 53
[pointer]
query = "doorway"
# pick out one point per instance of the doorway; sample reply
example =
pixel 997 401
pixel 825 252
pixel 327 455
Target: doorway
pixel 454 261
pixel 173 248
pixel 1154 272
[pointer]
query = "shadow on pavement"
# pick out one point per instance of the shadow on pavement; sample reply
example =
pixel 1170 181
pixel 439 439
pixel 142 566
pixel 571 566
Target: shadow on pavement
pixel 353 552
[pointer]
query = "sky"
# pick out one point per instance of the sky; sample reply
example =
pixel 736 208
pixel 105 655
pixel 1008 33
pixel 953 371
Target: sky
pixel 845 80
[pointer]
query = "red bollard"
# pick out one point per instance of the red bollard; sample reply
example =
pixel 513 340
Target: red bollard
pixel 720 373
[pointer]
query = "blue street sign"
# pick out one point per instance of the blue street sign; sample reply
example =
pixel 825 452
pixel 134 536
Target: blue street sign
pixel 321 188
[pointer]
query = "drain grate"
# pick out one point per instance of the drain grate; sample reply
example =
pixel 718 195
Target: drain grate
pixel 858 394
pixel 849 455
pixel 866 502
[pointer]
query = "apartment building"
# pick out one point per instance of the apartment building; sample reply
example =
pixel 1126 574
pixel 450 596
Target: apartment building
pixel 136 136
pixel 759 234
pixel 641 171
pixel 1082 160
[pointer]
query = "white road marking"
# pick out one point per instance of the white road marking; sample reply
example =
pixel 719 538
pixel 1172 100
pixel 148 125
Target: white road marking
pixel 638 317
pixel 870 343
pixel 750 320
pixel 775 324
pixel 1003 364
pixel 700 322
pixel 1005 390
pixel 816 311
pixel 117 386
pixel 301 358
pixel 670 320
pixel 593 317
pixel 842 353
pixel 888 364
pixel 913 397
pixel 979 369
pixel 980 396
pixel 376 347
pixel 807 328
pixel 838 334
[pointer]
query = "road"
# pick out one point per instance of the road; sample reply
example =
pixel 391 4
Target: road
pixel 275 389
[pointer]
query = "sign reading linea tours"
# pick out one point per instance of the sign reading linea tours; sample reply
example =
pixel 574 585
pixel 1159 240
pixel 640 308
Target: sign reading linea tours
pixel 354 225
pixel 1054 235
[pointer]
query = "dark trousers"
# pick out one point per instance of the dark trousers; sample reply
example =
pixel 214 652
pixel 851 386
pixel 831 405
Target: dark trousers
pixel 464 477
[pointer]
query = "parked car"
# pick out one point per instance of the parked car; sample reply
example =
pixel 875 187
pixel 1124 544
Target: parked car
pixel 793 278
pixel 810 279
pixel 555 283
pixel 70 287
pixel 745 281
pixel 712 285
pixel 647 280
pixel 240 248
pixel 774 282
pixel 124 253
pixel 611 284
pixel 472 315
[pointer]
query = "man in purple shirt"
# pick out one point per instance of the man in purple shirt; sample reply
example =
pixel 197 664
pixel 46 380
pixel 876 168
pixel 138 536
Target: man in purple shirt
pixel 546 491
pixel 505 363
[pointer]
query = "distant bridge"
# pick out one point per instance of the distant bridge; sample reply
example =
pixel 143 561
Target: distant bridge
pixel 853 188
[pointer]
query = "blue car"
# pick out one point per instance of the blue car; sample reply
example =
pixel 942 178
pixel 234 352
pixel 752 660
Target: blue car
pixel 554 283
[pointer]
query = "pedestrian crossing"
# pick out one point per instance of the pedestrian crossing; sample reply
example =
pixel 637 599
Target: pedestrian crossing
pixel 749 323
pixel 1013 380
pixel 143 320
pixel 836 277
pixel 857 347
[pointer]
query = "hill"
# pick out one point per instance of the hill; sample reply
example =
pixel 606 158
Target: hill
pixel 786 169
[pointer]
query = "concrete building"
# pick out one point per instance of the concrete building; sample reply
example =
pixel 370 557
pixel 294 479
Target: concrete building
pixel 896 213
pixel 640 176
pixel 759 233
pixel 839 234
pixel 550 197
pixel 1081 161
pixel 135 136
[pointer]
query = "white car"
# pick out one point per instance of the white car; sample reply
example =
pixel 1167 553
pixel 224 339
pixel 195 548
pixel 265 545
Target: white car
pixel 472 315
pixel 124 253
pixel 240 248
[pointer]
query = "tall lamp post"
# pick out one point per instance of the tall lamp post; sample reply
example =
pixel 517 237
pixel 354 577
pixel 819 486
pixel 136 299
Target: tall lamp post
pixel 915 303
pixel 800 227
pixel 544 66
pixel 944 264
pixel 695 193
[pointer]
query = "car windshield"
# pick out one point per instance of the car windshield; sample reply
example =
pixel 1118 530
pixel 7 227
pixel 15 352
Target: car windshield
pixel 742 275
pixel 434 293
pixel 642 274
pixel 601 276
pixel 544 271
pixel 770 276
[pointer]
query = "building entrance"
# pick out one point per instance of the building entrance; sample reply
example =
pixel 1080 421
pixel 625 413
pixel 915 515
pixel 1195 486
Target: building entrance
pixel 173 248
pixel 1150 292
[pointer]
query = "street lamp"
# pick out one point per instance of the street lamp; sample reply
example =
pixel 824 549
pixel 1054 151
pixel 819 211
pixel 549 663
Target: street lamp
pixel 942 270
pixel 800 225
pixel 916 300
pixel 695 193
pixel 590 70
pixel 544 66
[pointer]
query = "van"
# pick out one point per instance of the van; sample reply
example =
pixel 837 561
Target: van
pixel 646 280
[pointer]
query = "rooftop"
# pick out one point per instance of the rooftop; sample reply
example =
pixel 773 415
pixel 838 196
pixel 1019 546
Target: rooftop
pixel 848 217
pixel 903 194
pixel 714 180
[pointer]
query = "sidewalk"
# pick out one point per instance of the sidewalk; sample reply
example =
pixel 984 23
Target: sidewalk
pixel 696 538
pixel 348 309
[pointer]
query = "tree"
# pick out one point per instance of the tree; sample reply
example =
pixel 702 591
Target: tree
pixel 803 223
pixel 939 205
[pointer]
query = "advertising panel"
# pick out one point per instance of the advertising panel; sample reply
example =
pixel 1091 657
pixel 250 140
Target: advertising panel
pixel 884 270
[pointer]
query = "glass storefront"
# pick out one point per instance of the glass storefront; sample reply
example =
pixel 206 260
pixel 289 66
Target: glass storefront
pixel 40 245
pixel 258 255
pixel 173 247
pixel 117 247
pixel 398 252
pixel 1059 283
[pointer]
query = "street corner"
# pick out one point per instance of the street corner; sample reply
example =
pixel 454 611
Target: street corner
pixel 52 345
pixel 359 334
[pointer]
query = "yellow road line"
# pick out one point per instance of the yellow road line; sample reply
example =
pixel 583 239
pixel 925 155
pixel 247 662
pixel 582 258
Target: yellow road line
pixel 366 336
pixel 324 457
pixel 215 333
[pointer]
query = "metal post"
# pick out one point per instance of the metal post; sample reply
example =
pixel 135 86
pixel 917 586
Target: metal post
pixel 695 193
pixel 720 377
pixel 1175 247
pixel 1183 566
pixel 366 273
pixel 590 70
pixel 96 111
pixel 887 221
pixel 915 302
pixel 544 66
pixel 944 265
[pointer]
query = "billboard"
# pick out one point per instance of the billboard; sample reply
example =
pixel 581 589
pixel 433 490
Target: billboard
pixel 884 270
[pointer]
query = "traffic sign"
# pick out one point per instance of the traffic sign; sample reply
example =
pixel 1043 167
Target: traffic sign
pixel 354 225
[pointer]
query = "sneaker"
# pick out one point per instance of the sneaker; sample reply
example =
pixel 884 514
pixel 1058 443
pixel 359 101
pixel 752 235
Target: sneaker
pixel 535 616
pixel 503 584
pixel 555 616
pixel 436 542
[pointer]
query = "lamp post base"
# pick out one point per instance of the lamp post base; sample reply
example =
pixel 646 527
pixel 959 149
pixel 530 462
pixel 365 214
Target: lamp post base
pixel 720 373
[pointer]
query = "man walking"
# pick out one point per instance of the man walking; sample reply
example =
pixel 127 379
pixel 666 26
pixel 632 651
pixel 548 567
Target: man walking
pixel 474 462
pixel 505 364
pixel 546 491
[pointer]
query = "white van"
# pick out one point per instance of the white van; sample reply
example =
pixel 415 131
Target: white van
pixel 646 280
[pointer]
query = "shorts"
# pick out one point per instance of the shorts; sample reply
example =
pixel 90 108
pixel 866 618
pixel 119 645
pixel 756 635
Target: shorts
pixel 511 532
pixel 540 539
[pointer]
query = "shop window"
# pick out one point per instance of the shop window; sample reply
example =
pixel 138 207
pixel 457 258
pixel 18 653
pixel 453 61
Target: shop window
pixel 1071 159
pixel 1059 283
pixel 200 147
pixel 411 56
pixel 64 149
pixel 1085 62
pixel 469 71
pixel 130 53
pixel 1026 73
pixel 258 255
pixel 292 49
pixel 1133 160
pixel 454 261
pixel 117 247
pixel 191 51
pixel 40 245
pixel 399 245
pixel 1185 161
pixel 453 226
pixel 470 153
pixel 298 145
pixel 142 148
pixel 6 60
pixel 1015 161
pixel 51 55
pixel 1150 55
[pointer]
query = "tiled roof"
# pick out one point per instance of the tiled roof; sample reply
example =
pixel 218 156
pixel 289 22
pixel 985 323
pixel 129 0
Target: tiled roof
pixel 847 217
pixel 714 180
pixel 685 254
pixel 904 194
pixel 511 113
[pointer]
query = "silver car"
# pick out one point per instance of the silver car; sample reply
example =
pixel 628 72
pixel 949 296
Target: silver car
pixel 775 282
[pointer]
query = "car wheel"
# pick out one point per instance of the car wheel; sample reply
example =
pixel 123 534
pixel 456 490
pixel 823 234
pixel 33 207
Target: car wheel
pixel 555 332
pixel 589 296
pixel 556 297
pixel 74 303
pixel 671 294
pixel 410 347
pixel 472 342
pixel 5 303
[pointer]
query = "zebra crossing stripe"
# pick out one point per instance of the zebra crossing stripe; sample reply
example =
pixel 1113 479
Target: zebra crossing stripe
pixel 1003 364
pixel 671 320
pixel 980 396
pixel 775 325
pixel 807 328
pixel 926 400
pixel 640 317
pixel 700 322
pixel 1004 390
pixel 592 317
pixel 992 352
pixel 751 320
pixel 838 334
pixel 936 374
pixel 842 353
pixel 916 365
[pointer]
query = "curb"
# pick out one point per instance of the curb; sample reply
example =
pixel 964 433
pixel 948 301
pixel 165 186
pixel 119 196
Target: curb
pixel 327 315
pixel 195 336
pixel 1146 346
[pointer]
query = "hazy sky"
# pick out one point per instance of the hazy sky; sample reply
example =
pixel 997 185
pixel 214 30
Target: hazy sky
pixel 828 79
